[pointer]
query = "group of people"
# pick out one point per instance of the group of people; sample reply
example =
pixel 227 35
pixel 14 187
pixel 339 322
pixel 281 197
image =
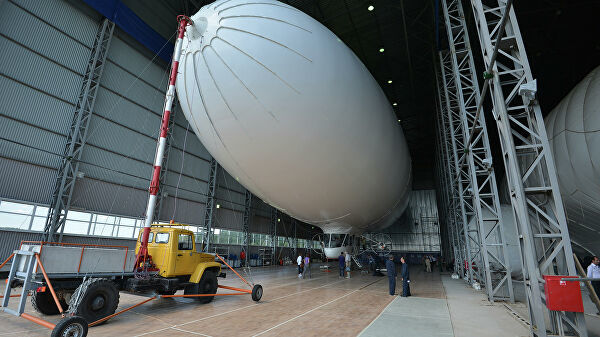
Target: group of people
pixel 428 262
pixel 345 261
pixel 303 266
pixel 390 266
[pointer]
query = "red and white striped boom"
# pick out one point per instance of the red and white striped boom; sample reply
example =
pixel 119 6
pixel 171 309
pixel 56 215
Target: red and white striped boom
pixel 142 257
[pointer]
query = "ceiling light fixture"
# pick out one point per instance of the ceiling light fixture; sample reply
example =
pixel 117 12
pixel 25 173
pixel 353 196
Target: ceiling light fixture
pixel 218 206
pixel 381 50
pixel 399 120
pixel 394 104
pixel 389 81
pixel 370 8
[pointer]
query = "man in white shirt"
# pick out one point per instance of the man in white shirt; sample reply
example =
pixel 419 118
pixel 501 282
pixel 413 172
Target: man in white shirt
pixel 593 271
pixel 299 261
pixel 348 264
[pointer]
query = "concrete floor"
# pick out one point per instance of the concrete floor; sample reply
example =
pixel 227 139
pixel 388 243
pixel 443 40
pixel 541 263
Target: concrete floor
pixel 325 305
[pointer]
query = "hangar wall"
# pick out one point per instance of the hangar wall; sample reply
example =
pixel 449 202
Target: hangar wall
pixel 45 49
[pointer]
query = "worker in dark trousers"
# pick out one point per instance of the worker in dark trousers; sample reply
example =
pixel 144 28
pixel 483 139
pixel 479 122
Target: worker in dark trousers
pixel 405 278
pixel 342 261
pixel 391 271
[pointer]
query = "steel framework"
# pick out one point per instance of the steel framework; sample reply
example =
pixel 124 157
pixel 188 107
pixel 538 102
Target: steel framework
pixel 246 224
pixel 295 243
pixel 69 166
pixel 531 174
pixel 484 213
pixel 468 233
pixel 209 211
pixel 273 232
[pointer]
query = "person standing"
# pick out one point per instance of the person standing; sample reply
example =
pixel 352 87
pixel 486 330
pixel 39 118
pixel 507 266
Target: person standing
pixel 243 258
pixel 306 269
pixel 299 261
pixel 390 266
pixel 348 264
pixel 342 263
pixel 405 278
pixel 427 264
pixel 593 271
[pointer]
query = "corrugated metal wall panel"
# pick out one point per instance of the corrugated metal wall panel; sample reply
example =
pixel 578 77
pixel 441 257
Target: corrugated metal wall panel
pixel 38 72
pixel 31 136
pixel 228 219
pixel 126 113
pixel 188 212
pixel 21 181
pixel 103 197
pixel 61 15
pixel 40 79
pixel 127 57
pixel 34 107
pixel 42 38
pixel 140 92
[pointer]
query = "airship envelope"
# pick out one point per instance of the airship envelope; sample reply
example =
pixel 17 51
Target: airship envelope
pixel 290 111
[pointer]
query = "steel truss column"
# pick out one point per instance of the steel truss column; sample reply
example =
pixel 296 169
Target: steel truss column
pixel 69 167
pixel 273 233
pixel 246 229
pixel 443 192
pixel 453 197
pixel 531 174
pixel 164 168
pixel 484 215
pixel 295 224
pixel 210 203
pixel 461 177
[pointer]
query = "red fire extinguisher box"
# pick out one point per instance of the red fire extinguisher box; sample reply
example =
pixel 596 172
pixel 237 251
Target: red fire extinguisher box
pixel 563 295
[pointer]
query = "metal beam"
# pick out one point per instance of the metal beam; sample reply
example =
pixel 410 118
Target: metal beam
pixel 246 224
pixel 531 174
pixel 69 166
pixel 461 176
pixel 485 215
pixel 273 233
pixel 453 207
pixel 210 203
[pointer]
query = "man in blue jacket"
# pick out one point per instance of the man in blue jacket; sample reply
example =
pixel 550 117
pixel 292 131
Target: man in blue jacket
pixel 342 261
pixel 405 278
pixel 390 266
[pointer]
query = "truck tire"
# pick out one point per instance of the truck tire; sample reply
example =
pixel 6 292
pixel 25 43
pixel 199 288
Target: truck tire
pixel 74 326
pixel 94 299
pixel 257 292
pixel 207 285
pixel 43 302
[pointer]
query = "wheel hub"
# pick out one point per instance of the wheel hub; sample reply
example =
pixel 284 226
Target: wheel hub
pixel 98 303
pixel 73 330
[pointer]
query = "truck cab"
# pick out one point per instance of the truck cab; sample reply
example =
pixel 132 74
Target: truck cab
pixel 174 253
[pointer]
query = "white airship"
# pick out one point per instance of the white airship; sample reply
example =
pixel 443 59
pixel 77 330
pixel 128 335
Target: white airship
pixel 573 128
pixel 291 112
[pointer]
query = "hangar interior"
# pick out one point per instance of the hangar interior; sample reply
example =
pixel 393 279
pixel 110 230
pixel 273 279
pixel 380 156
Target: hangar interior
pixel 83 87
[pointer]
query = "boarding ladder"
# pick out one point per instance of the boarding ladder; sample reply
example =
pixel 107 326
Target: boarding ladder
pixel 22 260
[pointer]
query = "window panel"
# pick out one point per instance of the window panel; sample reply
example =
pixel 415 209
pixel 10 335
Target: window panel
pixel 77 227
pixel 13 207
pixel 17 221
pixel 162 238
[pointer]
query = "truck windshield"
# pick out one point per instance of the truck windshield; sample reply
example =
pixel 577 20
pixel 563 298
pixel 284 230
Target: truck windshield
pixel 150 236
pixel 162 237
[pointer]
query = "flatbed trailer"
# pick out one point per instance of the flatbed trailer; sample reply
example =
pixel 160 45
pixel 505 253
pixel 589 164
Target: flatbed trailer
pixel 82 283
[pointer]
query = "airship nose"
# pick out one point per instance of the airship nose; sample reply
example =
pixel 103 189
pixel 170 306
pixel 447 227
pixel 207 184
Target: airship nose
pixel 205 25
